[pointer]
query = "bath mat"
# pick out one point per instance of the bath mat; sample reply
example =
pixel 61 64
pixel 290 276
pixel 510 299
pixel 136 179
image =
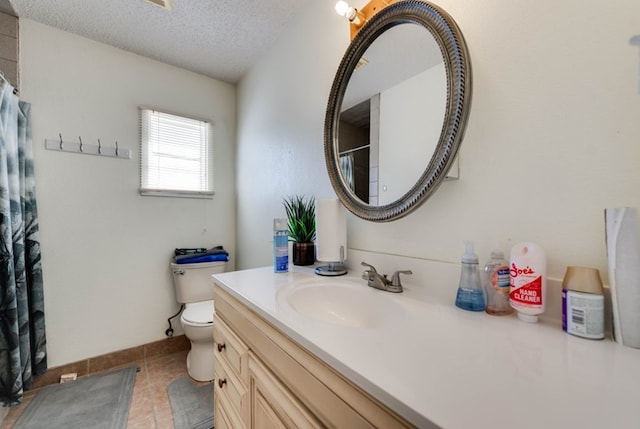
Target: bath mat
pixel 191 406
pixel 99 401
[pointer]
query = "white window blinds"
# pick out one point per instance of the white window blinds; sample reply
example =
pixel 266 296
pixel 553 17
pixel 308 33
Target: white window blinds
pixel 175 155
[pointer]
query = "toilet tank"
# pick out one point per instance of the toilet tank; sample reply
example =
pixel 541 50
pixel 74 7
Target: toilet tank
pixel 193 282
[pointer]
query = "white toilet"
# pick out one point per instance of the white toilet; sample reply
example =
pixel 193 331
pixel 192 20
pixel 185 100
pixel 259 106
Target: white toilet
pixel 194 289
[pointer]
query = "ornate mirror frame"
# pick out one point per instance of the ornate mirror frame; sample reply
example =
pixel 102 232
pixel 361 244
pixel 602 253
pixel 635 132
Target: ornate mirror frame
pixel 458 75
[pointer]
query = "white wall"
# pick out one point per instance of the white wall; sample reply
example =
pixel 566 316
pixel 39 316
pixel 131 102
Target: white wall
pixel 281 107
pixel 105 249
pixel 552 138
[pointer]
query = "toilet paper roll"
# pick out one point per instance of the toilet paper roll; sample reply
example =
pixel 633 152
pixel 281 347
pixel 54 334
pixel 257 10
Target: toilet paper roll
pixel 331 231
pixel 623 252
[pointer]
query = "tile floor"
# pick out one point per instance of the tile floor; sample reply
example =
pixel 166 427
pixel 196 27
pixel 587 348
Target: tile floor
pixel 150 408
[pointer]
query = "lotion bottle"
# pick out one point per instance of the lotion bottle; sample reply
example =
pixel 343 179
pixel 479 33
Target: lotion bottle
pixel 528 281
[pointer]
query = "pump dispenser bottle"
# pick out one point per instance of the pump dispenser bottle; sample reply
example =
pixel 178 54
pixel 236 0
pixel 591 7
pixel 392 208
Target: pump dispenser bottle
pixel 470 294
pixel 496 282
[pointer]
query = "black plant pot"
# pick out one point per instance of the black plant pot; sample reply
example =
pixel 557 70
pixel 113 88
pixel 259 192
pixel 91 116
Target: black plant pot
pixel 304 253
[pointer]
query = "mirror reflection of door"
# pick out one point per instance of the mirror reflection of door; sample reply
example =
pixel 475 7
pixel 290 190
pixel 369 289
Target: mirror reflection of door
pixel 392 114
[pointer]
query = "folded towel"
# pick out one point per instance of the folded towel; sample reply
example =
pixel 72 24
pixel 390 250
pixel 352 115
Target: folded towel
pixel 188 251
pixel 193 259
pixel 196 250
pixel 218 250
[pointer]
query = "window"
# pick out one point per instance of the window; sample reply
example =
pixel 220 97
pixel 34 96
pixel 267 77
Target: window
pixel 175 155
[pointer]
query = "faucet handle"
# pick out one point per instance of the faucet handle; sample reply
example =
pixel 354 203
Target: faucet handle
pixel 368 273
pixel 395 279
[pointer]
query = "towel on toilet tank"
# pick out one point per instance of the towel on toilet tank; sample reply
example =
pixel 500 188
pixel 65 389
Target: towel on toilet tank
pixel 210 255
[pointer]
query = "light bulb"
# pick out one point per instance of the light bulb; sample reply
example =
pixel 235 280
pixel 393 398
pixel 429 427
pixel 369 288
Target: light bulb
pixel 342 7
pixel 351 13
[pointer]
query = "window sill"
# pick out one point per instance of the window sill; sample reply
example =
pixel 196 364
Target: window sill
pixel 176 194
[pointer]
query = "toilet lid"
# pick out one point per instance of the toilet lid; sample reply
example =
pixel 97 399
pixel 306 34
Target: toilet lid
pixel 199 312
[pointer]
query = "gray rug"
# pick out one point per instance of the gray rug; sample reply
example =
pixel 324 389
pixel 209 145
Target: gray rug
pixel 192 406
pixel 100 401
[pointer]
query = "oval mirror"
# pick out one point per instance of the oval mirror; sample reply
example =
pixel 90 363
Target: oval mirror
pixel 397 110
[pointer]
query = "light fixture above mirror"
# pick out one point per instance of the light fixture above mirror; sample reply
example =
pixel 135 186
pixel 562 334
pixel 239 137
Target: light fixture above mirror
pixel 356 17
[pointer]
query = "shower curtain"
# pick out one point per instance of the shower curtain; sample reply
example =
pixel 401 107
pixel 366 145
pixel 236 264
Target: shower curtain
pixel 22 329
pixel 346 165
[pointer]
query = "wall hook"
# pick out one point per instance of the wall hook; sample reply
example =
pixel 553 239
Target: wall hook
pixel 78 146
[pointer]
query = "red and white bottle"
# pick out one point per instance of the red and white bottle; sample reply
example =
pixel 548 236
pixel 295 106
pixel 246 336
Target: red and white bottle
pixel 528 281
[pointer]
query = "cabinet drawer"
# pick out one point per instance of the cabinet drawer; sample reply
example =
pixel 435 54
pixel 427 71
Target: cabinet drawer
pixel 231 349
pixel 231 390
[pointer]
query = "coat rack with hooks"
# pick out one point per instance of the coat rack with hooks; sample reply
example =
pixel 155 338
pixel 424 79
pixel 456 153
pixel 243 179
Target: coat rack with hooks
pixel 87 148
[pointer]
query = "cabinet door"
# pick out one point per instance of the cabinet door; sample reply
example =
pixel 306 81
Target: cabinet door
pixel 263 415
pixel 272 405
pixel 224 419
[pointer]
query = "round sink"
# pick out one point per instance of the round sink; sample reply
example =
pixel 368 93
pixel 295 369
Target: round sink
pixel 345 304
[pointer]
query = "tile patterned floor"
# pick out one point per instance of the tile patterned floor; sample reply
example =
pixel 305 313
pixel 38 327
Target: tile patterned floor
pixel 150 408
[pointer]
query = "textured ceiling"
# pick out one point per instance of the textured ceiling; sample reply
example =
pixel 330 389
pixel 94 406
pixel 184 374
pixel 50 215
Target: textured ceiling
pixel 217 38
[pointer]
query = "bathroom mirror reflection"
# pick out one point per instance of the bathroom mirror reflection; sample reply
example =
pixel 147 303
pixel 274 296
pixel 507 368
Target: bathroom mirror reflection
pixel 391 93
pixel 397 110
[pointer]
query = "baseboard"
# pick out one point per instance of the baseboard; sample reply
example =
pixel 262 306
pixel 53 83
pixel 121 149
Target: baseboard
pixel 113 360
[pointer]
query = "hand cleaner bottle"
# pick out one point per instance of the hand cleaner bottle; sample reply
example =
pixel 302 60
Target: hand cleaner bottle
pixel 470 294
pixel 528 288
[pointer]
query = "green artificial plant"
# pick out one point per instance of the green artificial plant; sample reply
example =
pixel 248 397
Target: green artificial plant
pixel 301 216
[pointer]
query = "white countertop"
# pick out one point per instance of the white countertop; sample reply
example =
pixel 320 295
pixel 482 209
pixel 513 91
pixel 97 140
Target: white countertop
pixel 456 369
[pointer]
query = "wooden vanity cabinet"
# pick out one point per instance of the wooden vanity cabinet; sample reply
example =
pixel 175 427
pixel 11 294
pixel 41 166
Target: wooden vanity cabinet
pixel 263 379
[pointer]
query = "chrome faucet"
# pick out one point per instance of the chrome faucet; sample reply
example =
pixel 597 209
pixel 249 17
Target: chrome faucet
pixel 380 281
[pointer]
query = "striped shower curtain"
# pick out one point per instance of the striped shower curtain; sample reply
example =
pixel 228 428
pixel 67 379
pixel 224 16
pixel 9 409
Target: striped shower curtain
pixel 22 329
pixel 347 167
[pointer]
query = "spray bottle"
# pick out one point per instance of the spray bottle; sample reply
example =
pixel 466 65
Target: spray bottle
pixel 280 246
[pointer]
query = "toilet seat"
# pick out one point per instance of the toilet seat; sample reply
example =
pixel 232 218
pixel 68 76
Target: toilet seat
pixel 199 313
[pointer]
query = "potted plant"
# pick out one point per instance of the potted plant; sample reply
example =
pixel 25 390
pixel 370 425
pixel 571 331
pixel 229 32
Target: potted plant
pixel 301 217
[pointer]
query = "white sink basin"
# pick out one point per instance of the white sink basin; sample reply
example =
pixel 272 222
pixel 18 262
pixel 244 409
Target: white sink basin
pixel 345 303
